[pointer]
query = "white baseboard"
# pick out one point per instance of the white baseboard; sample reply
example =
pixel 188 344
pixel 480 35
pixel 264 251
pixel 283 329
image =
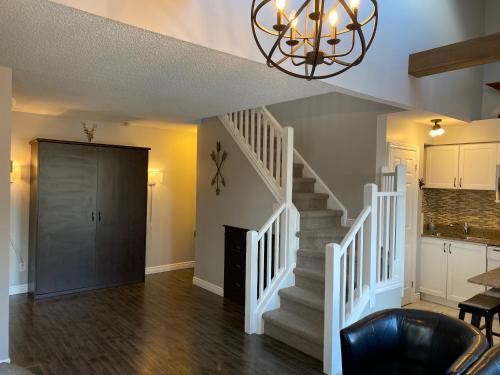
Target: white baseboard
pixel 5 360
pixel 18 289
pixel 169 267
pixel 350 222
pixel 416 297
pixel 208 286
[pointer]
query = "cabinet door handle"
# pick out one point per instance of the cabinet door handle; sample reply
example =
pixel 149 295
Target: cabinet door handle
pixel 460 181
pixel 444 247
pixel 93 216
pixel 455 182
pixel 449 248
pixel 100 216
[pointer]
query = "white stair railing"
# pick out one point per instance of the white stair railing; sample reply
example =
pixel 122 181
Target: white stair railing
pixel 268 146
pixel 370 256
pixel 270 257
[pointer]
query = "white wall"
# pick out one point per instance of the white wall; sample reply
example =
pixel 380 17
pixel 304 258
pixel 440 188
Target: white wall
pixel 337 135
pixel 405 27
pixel 5 129
pixel 173 151
pixel 245 202
pixel 491 97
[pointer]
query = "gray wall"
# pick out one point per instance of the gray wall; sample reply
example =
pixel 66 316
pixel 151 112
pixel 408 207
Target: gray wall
pixel 337 136
pixel 245 202
pixel 5 125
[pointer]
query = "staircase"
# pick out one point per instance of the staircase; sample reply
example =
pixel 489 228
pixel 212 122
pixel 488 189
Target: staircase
pixel 299 321
pixel 307 274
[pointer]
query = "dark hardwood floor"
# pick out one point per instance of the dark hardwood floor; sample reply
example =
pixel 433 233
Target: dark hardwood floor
pixel 165 326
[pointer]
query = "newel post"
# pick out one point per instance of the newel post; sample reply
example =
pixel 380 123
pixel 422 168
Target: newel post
pixel 370 235
pixel 332 357
pixel 400 220
pixel 251 282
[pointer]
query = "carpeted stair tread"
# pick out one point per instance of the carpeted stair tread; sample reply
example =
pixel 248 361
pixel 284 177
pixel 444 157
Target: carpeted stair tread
pixel 324 233
pixel 310 253
pixel 320 213
pixel 304 297
pixel 310 196
pixel 304 179
pixel 298 325
pixel 313 274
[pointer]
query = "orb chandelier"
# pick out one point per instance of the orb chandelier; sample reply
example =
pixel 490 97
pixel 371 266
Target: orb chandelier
pixel 314 39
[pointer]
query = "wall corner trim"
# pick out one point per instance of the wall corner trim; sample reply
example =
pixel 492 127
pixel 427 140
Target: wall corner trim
pixel 169 267
pixel 18 289
pixel 208 286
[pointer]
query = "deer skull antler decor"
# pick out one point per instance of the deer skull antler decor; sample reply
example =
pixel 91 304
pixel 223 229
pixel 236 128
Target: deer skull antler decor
pixel 89 132
pixel 218 159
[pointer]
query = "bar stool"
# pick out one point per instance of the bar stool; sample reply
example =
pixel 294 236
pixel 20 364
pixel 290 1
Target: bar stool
pixel 481 306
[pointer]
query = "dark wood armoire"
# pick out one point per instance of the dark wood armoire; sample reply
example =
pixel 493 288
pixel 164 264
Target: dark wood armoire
pixel 88 208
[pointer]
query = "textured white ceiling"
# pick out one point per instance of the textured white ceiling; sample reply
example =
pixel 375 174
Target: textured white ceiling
pixel 68 62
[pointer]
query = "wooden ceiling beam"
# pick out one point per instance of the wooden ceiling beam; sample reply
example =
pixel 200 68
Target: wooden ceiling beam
pixel 472 52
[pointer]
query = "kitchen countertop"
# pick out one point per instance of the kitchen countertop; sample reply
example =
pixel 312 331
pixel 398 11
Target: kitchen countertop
pixel 455 232
pixel 461 237
pixel 490 278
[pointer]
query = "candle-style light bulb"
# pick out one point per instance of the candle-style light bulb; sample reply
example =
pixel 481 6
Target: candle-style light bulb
pixel 333 17
pixel 280 5
pixel 295 19
pixel 354 4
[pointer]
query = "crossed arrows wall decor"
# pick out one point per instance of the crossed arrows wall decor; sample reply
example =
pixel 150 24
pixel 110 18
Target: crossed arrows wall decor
pixel 218 160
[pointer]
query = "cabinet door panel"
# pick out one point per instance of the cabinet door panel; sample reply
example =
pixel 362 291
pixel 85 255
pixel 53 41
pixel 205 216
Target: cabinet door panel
pixel 65 258
pixel 122 205
pixel 478 166
pixel 433 267
pixel 441 167
pixel 465 260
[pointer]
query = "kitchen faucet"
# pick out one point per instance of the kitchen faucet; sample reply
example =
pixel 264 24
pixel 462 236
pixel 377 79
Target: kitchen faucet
pixel 466 228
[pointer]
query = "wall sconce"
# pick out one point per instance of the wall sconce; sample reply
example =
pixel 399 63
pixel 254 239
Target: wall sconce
pixel 15 172
pixel 155 177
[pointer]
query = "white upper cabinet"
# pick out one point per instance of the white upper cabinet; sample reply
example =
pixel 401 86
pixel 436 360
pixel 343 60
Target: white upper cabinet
pixel 441 167
pixel 478 166
pixel 467 166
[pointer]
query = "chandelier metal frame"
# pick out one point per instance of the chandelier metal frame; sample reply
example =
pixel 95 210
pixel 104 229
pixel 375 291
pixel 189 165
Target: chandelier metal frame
pixel 310 40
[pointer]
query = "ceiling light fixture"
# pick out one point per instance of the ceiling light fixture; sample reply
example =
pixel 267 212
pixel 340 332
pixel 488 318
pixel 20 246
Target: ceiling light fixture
pixel 322 39
pixel 436 129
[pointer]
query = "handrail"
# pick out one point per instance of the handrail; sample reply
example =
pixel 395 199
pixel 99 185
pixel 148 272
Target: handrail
pixel 356 226
pixel 271 220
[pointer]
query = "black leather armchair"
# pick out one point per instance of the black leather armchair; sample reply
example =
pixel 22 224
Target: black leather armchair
pixel 489 364
pixel 410 342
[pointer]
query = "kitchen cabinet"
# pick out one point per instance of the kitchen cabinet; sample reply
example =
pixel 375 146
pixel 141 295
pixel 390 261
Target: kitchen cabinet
pixel 447 265
pixel 477 166
pixel 433 260
pixel 441 167
pixel 467 166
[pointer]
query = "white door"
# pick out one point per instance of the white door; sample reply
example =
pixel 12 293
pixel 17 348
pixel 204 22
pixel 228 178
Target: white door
pixel 408 156
pixel 433 259
pixel 441 167
pixel 465 260
pixel 478 166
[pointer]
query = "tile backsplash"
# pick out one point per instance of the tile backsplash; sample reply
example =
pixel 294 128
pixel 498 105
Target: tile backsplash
pixel 446 206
